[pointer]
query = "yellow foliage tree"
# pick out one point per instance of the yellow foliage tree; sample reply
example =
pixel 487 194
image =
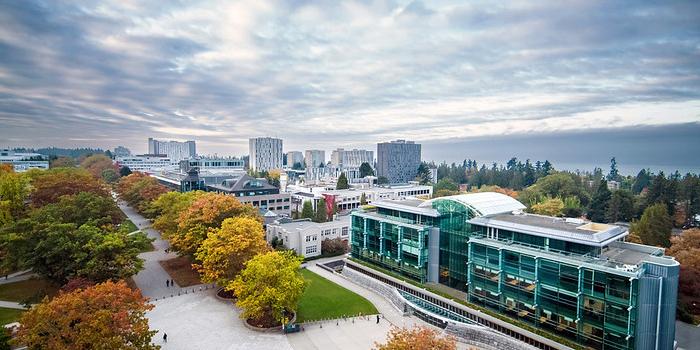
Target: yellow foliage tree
pixel 270 284
pixel 226 250
pixel 550 207
pixel 417 338
pixel 167 209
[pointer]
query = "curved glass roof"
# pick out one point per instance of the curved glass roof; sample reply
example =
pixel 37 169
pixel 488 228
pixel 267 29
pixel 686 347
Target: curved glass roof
pixel 483 203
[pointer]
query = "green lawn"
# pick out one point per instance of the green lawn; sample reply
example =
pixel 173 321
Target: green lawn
pixel 324 299
pixel 34 288
pixel 9 315
pixel 129 225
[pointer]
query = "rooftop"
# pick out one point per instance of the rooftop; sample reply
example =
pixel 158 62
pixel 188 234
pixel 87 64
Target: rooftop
pixel 483 203
pixel 577 231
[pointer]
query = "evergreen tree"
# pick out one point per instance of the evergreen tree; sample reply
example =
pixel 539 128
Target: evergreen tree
pixel 363 199
pixel 307 211
pixel 600 203
pixel 621 206
pixel 547 168
pixel 641 182
pixel 342 182
pixel 423 176
pixel 613 175
pixel 321 213
pixel 654 228
pixel 124 171
pixel 366 170
pixel 382 180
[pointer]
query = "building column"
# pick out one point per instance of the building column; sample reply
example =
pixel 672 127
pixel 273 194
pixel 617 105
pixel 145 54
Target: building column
pixel 537 286
pixel 364 234
pixel 400 243
pixel 420 244
pixel 579 301
pixel 500 270
pixel 381 238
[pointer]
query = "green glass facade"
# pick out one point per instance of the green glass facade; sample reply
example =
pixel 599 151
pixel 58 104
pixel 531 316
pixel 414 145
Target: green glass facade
pixel 555 285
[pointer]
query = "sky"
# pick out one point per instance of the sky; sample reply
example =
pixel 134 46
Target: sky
pixel 328 74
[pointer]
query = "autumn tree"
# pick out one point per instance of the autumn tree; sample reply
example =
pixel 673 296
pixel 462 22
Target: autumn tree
pixel 686 249
pixel 14 189
pixel 139 190
pixel 82 208
pixel 225 251
pixel 97 163
pixel 342 183
pixel 51 184
pixel 167 210
pixel 206 212
pixel 62 162
pixel 109 314
pixel 654 228
pixel 334 246
pixel 270 285
pixel 550 207
pixel 417 338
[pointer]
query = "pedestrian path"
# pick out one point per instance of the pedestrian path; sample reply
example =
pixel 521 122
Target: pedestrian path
pixel 12 305
pixel 18 276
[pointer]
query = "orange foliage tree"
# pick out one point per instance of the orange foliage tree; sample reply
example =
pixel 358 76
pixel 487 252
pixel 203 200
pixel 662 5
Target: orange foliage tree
pixel 97 163
pixel 206 212
pixel 139 190
pixel 417 338
pixel 109 314
pixel 686 249
pixel 51 184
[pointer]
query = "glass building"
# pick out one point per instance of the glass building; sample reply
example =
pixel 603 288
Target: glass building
pixel 570 277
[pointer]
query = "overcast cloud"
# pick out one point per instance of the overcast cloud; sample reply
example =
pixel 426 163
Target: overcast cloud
pixel 323 74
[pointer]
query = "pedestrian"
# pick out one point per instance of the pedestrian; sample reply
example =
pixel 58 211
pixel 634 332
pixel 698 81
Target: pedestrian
pixel 172 283
pixel 377 319
pixel 165 337
pixel 167 283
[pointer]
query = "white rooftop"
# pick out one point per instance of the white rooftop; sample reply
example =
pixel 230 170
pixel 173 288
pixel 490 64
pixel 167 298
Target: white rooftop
pixel 483 203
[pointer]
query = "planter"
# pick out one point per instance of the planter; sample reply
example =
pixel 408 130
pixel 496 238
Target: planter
pixel 269 329
pixel 222 294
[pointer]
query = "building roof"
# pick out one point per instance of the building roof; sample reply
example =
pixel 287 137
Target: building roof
pixel 408 205
pixel 577 231
pixel 242 183
pixel 483 203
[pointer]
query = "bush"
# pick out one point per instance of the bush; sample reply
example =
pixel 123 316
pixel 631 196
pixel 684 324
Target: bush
pixel 335 246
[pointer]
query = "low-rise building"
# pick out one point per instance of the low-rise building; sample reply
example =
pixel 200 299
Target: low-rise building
pixel 146 163
pixel 23 161
pixel 305 236
pixel 257 192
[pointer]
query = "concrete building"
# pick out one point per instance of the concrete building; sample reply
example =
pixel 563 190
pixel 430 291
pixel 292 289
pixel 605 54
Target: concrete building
pixel 121 151
pixel 175 150
pixel 22 162
pixel 146 163
pixel 294 157
pixel 351 158
pixel 265 153
pixel 305 236
pixel 258 192
pixel 568 277
pixel 315 158
pixel 398 160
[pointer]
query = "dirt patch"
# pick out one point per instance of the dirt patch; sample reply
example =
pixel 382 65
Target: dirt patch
pixel 267 321
pixel 180 269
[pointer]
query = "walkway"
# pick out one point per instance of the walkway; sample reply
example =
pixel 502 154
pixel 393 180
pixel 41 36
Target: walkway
pixel 18 276
pixel 151 280
pixel 12 305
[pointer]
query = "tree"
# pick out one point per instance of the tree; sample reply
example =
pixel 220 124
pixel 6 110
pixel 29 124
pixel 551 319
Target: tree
pixel 572 207
pixel 342 182
pixel 109 314
pixel 298 166
pixel 270 285
pixel 445 184
pixel 79 209
pixel 124 171
pixel 366 170
pixel 207 211
pixel 654 227
pixel 382 180
pixel 14 189
pixel 224 253
pixel 621 206
pixel 97 163
pixel 50 185
pixel 335 246
pixel 550 207
pixel 139 190
pixel 167 210
pixel 424 177
pixel 321 212
pixel 686 249
pixel 641 182
pixel 62 162
pixel 417 338
pixel 110 176
pixel 613 175
pixel 600 203
pixel 307 211
pixel 363 199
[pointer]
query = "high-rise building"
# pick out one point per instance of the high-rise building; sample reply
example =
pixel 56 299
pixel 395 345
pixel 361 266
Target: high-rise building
pixel 265 153
pixel 342 158
pixel 315 158
pixel 294 157
pixel 398 161
pixel 571 278
pixel 121 151
pixel 175 150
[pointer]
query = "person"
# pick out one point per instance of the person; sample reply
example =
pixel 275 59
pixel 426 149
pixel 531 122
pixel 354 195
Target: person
pixel 172 283
pixel 377 319
pixel 167 283
pixel 165 337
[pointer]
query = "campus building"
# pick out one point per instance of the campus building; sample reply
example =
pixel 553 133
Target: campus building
pixel 294 157
pixel 315 158
pixel 569 277
pixel 305 236
pixel 349 162
pixel 175 150
pixel 398 161
pixel 22 162
pixel 265 153
pixel 146 163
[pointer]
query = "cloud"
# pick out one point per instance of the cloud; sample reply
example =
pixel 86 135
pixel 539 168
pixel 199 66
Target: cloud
pixel 332 74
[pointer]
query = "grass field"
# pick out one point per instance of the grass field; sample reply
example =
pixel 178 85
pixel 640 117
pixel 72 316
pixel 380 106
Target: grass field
pixel 324 299
pixel 34 288
pixel 130 227
pixel 9 315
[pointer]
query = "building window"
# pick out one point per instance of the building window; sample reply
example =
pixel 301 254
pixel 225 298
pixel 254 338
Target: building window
pixel 308 238
pixel 344 231
pixel 314 237
pixel 311 249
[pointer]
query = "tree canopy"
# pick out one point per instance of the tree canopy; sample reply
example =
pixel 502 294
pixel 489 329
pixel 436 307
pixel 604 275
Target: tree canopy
pixel 366 170
pixel 417 338
pixel 342 182
pixel 109 314
pixel 654 228
pixel 49 185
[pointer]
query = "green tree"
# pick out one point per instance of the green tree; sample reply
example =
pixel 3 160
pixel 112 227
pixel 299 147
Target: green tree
pixel 572 207
pixel 62 162
pixel 298 166
pixel 550 207
pixel 614 174
pixel 82 208
pixel 321 212
pixel 423 176
pixel 342 182
pixel 124 171
pixel 446 184
pixel 600 203
pixel 366 170
pixel 167 209
pixel 641 182
pixel 270 285
pixel 14 190
pixel 654 227
pixel 110 176
pixel 382 180
pixel 307 211
pixel 621 206
pixel 363 199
